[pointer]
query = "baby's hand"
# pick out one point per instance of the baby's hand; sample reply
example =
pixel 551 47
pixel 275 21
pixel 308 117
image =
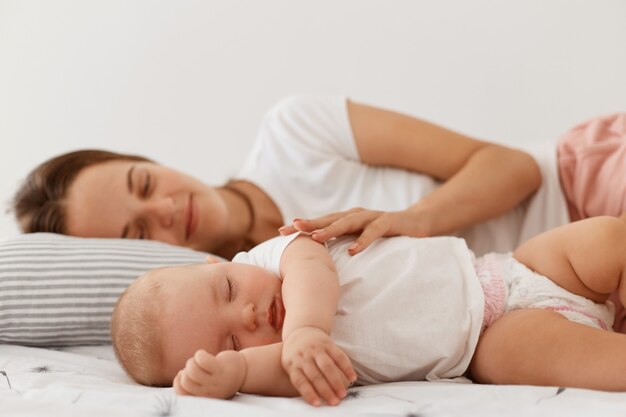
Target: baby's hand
pixel 206 375
pixel 316 366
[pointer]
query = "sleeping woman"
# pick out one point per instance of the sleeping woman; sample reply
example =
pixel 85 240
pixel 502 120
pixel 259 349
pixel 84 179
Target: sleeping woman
pixel 312 156
pixel 377 172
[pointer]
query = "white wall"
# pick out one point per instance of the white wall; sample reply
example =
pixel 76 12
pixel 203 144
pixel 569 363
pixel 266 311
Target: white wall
pixel 187 82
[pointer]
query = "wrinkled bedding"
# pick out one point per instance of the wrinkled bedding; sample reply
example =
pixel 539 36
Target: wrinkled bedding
pixel 87 381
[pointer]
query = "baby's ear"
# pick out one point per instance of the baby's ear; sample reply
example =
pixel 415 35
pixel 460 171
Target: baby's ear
pixel 212 260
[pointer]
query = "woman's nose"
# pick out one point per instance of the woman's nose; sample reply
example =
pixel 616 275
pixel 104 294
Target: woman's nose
pixel 161 210
pixel 249 317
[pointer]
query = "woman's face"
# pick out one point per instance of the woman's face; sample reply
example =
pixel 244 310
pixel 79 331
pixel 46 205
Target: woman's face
pixel 143 200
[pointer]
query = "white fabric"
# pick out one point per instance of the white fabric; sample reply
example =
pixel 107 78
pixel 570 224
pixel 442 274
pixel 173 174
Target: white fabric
pixel 267 254
pixel 306 159
pixel 87 381
pixel 409 309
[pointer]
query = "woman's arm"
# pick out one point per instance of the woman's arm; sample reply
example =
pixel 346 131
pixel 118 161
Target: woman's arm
pixel 484 179
pixel 481 180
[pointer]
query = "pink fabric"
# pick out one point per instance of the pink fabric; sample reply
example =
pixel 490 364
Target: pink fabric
pixel 490 277
pixel 592 167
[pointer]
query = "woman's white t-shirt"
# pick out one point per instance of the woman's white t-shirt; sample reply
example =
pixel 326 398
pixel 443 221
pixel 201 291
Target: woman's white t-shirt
pixel 409 309
pixel 305 158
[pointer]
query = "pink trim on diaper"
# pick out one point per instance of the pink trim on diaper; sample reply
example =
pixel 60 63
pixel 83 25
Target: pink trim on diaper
pixel 600 322
pixel 490 276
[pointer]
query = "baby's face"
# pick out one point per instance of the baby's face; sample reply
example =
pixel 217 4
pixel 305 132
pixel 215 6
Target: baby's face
pixel 216 307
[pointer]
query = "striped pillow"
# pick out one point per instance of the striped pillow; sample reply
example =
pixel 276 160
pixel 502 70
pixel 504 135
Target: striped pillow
pixel 58 290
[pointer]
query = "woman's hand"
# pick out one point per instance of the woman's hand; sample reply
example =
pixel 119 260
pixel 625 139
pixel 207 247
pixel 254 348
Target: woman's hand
pixel 317 368
pixel 372 224
pixel 206 375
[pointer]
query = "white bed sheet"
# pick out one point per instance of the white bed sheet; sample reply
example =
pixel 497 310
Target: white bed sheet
pixel 87 381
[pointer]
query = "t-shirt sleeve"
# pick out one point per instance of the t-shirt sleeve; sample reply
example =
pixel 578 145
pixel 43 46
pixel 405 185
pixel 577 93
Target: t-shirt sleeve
pixel 268 254
pixel 303 142
pixel 310 126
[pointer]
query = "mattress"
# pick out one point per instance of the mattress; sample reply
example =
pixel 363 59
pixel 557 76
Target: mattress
pixel 87 381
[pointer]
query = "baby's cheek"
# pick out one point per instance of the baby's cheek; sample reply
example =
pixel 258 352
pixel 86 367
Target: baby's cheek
pixel 264 340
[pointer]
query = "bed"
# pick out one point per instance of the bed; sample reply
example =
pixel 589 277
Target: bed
pixel 56 295
pixel 87 380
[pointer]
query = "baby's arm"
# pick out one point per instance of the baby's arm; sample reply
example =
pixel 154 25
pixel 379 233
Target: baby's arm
pixel 307 363
pixel 254 370
pixel 316 366
pixel 310 286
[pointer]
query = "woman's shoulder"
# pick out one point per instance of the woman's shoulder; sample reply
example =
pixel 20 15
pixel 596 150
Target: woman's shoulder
pixel 307 124
pixel 307 108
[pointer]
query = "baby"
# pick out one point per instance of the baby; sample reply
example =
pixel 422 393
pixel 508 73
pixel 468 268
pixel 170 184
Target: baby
pixel 292 317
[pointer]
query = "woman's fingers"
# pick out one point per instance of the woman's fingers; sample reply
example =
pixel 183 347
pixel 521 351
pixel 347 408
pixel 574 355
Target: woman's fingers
pixel 375 229
pixel 350 223
pixel 371 223
pixel 287 229
pixel 309 225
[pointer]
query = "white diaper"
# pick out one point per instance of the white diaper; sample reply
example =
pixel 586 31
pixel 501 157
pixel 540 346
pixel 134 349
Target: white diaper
pixel 509 285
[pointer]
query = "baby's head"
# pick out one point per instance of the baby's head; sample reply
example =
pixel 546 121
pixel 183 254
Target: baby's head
pixel 169 313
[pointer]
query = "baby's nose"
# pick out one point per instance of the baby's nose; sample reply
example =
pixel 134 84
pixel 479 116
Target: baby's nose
pixel 249 317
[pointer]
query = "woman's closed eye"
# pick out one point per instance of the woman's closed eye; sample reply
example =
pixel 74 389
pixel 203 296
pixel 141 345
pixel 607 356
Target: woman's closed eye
pixel 142 232
pixel 145 189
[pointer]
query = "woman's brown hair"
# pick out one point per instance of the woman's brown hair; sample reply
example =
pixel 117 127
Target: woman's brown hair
pixel 39 204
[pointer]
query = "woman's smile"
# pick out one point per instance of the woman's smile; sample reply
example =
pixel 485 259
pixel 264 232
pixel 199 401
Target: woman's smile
pixel 191 217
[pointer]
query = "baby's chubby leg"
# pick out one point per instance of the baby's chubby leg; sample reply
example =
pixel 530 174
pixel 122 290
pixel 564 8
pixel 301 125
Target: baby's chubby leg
pixel 542 347
pixel 587 258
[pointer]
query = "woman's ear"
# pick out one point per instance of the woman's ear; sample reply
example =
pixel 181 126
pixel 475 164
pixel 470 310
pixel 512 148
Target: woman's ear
pixel 212 260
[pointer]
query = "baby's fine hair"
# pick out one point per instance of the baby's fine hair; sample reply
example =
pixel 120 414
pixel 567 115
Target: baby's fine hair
pixel 135 330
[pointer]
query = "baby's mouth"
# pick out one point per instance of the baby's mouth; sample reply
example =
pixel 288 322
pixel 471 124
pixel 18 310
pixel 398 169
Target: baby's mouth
pixel 276 314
